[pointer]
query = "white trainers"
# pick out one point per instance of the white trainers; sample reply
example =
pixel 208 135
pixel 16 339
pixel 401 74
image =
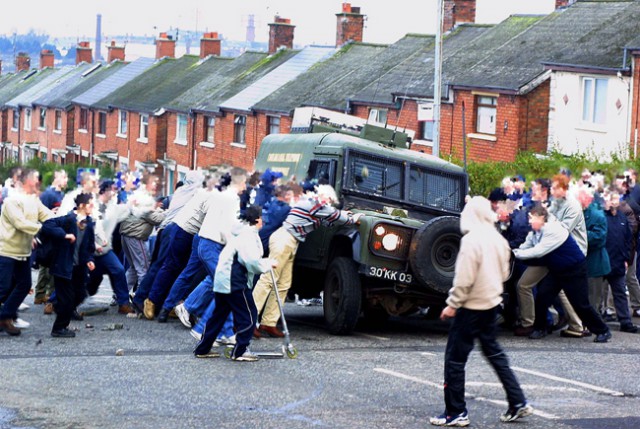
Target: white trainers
pixel 183 315
pixel 21 324
pixel 228 341
pixel 247 356
pixel 196 335
pixel 23 307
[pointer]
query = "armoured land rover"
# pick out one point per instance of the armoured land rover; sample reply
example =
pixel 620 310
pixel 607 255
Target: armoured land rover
pixel 401 256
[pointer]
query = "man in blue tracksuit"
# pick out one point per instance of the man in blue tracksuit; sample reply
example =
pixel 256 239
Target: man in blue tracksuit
pixel 549 244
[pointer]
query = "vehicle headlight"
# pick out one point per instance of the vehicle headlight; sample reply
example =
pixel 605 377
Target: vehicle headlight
pixel 390 242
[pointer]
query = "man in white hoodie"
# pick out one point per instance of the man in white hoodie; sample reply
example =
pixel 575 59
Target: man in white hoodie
pixel 482 265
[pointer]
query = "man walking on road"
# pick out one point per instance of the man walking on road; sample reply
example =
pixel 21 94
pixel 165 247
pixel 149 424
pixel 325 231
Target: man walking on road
pixel 482 266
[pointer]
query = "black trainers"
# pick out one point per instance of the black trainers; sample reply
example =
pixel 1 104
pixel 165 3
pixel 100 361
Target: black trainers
pixel 514 413
pixel 603 338
pixel 629 327
pixel 457 420
pixel 63 333
pixel 537 335
pixel 163 315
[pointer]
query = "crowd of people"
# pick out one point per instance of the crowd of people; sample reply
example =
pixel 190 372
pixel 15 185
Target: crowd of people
pixel 575 244
pixel 195 255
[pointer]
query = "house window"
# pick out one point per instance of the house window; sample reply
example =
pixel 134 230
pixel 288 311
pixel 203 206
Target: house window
pixel 58 120
pixel 144 126
pixel 43 118
pixel 122 123
pixel 16 120
pixel 102 123
pixel 273 124
pixel 486 114
pixel 426 129
pixel 181 129
pixel 209 129
pixel 27 119
pixel 239 128
pixel 54 158
pixel 84 119
pixel 378 115
pixel 594 97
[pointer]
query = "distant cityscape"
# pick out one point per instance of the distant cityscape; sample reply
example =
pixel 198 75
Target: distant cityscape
pixel 64 48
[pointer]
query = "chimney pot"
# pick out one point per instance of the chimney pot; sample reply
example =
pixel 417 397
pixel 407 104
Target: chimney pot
pixel 210 44
pixel 280 34
pixel 115 52
pixel 165 46
pixel 46 58
pixel 350 25
pixel 83 53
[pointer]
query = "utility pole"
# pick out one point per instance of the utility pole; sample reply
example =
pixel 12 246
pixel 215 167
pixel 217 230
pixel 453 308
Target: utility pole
pixel 437 79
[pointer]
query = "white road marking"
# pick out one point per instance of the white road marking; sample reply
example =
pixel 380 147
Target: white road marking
pixel 506 405
pixel 525 386
pixel 427 354
pixel 439 386
pixel 566 380
pixel 375 337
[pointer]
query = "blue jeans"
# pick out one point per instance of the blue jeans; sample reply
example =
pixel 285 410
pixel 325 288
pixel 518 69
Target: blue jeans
pixel 144 287
pixel 182 284
pixel 111 265
pixel 199 299
pixel 15 283
pixel 467 326
pixel 177 257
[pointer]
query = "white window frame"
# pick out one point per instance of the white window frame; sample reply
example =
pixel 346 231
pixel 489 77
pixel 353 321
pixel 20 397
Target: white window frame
pixel 16 120
pixel 273 124
pixel 210 129
pixel 240 129
pixel 123 124
pixel 57 127
pixel 42 125
pixel 594 108
pixel 27 119
pixel 486 114
pixel 379 116
pixel 181 129
pixel 144 128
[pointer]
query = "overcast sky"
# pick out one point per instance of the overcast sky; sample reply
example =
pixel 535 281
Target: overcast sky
pixel 387 21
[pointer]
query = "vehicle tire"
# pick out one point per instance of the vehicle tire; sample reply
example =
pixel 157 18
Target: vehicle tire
pixel 342 298
pixel 433 252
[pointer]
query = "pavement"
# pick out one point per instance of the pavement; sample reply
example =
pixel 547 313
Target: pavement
pixel 387 377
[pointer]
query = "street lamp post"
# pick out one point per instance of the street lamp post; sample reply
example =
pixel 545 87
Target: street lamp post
pixel 437 79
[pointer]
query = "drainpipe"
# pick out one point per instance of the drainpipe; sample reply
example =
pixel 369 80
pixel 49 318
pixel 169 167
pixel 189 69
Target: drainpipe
pixel 93 137
pixel 194 153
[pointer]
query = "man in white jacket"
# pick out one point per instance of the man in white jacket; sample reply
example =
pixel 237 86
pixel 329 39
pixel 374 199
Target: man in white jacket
pixel 482 265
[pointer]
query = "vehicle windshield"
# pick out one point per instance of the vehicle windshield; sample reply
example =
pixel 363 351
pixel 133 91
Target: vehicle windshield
pixel 387 178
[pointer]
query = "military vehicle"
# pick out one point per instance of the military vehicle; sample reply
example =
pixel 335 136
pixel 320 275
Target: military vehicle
pixel 401 256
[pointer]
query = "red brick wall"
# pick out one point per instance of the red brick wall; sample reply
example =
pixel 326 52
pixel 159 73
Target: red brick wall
pixel 210 44
pixel 280 34
pixel 349 27
pixel 83 139
pixel 457 12
pixel 181 154
pixel 4 125
pixel 534 119
pixel 84 53
pixel 115 53
pixel 46 58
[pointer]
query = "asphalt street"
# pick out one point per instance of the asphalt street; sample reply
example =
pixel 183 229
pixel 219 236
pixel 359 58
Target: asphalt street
pixel 388 377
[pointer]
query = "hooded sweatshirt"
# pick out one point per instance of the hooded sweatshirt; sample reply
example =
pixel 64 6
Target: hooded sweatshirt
pixel 240 260
pixel 482 264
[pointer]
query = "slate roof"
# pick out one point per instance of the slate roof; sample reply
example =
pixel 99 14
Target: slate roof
pixel 123 75
pixel 211 102
pixel 16 83
pixel 196 95
pixel 163 82
pixel 57 77
pixel 275 79
pixel 84 78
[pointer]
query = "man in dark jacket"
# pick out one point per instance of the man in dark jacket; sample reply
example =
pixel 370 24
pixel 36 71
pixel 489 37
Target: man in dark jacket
pixel 549 244
pixel 619 249
pixel 74 239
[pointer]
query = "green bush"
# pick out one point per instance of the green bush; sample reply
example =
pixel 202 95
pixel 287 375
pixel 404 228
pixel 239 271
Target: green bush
pixel 47 169
pixel 485 176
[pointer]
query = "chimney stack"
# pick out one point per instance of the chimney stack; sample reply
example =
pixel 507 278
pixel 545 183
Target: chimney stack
pixel 165 46
pixel 251 29
pixel 280 34
pixel 23 62
pixel 83 53
pixel 350 25
pixel 458 12
pixel 98 37
pixel 210 44
pixel 46 58
pixel 564 3
pixel 114 52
